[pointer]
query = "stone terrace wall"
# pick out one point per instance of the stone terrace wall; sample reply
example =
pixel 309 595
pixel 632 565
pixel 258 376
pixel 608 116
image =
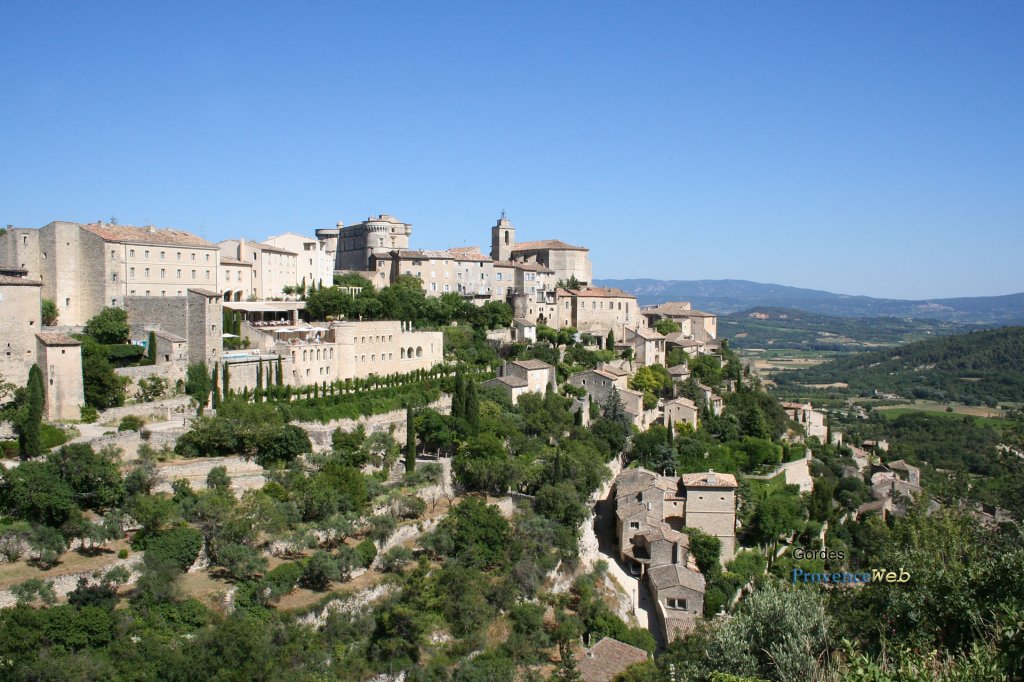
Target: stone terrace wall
pixel 168 408
pixel 172 371
pixel 320 434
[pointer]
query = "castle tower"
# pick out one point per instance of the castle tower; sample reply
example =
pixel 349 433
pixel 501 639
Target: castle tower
pixel 503 238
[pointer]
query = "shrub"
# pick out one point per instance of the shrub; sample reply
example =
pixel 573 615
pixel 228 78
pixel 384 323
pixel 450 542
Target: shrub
pixel 382 528
pixel 284 578
pixel 366 552
pixel 319 571
pixel 122 554
pixel 130 423
pixel 178 547
pixel 89 414
pixel 395 559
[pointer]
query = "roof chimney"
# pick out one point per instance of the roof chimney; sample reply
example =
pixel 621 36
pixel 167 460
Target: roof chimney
pixel 712 479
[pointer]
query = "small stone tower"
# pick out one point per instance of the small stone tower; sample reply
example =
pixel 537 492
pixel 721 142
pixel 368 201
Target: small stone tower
pixel 503 238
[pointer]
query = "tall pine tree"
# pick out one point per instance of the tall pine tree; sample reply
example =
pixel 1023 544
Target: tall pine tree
pixel 227 381
pixel 279 375
pixel 216 388
pixel 459 397
pixel 151 348
pixel 259 382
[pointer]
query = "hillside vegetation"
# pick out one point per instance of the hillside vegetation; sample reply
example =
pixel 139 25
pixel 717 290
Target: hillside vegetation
pixel 770 327
pixel 730 295
pixel 982 367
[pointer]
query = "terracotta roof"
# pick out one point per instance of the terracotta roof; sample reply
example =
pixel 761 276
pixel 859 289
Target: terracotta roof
pixel 465 249
pixel 676 575
pixel 543 244
pixel 709 479
pixel 608 659
pixel 8 281
pixel 129 234
pixel 627 510
pixel 902 466
pixel 678 370
pixel 682 341
pixel 205 292
pixel 524 322
pixel 699 313
pixel 531 364
pixel 682 401
pixel 612 369
pixel 423 255
pixel 57 339
pixel 597 292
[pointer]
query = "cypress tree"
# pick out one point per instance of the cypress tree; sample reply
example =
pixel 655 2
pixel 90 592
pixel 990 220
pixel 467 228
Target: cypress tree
pixel 259 381
pixel 215 400
pixel 226 381
pixel 410 441
pixel 151 348
pixel 609 343
pixel 279 376
pixel 459 397
pixel 28 436
pixel 472 406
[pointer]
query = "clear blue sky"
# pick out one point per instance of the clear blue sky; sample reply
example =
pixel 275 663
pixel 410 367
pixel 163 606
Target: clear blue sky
pixel 865 148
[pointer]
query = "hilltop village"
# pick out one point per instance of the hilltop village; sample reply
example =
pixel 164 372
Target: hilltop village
pixel 406 450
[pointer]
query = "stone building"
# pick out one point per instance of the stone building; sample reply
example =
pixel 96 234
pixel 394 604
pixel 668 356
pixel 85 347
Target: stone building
pixel 647 344
pixel 680 411
pixel 314 264
pixel 20 321
pixel 86 267
pixel 596 310
pixel 373 237
pixel 525 376
pixel 812 421
pixel 236 282
pixel 273 268
pixel 608 659
pixel 197 318
pixel 694 324
pixel 652 513
pixel 60 358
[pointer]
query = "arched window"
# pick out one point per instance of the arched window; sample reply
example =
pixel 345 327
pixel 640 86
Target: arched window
pixel 506 237
pixel 402 354
pixel 419 351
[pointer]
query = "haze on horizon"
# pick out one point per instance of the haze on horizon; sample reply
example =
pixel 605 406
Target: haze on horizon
pixel 871 149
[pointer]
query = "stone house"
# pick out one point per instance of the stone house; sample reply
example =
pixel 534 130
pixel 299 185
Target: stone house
pixel 596 310
pixel 314 265
pixel 713 400
pixel 647 344
pixel 59 356
pixel 678 592
pixel 523 331
pixel 812 421
pixel 236 282
pixel 525 376
pixel 694 324
pixel 680 410
pixel 608 659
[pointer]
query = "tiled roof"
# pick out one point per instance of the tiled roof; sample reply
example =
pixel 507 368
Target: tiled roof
pixel 675 575
pixel 699 313
pixel 205 292
pixel 646 333
pixel 460 250
pixel 511 382
pixel 554 244
pixel 57 339
pixel 228 260
pixel 174 338
pixel 677 370
pixel 273 249
pixel 8 281
pixel 607 659
pixel 668 308
pixel 709 479
pixel 423 255
pixel 627 510
pixel 596 292
pixel 683 342
pixel 531 364
pixel 531 267
pixel 147 235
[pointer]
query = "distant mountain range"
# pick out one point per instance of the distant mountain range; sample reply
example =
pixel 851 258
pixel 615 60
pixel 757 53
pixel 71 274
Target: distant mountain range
pixel 732 295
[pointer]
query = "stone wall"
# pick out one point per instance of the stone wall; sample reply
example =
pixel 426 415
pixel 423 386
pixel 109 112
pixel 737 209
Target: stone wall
pixel 172 371
pixel 320 434
pixel 166 409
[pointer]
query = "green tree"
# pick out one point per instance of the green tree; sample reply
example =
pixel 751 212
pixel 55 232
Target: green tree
pixel 666 326
pixel 609 342
pixel 218 479
pixel 320 569
pixel 109 326
pixel 214 388
pixel 34 491
pixel 28 427
pixel 475 533
pixel 49 313
pixel 152 388
pixel 226 383
pixel 102 386
pixel 197 384
pixel 151 348
pixel 472 413
pixel 410 440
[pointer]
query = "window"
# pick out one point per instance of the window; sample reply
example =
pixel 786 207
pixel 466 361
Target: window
pixel 634 525
pixel 131 253
pixel 132 292
pixel 163 273
pixel 113 277
pixel 113 302
pixel 193 274
pixel 147 272
pixel 433 286
pixel 178 274
pixel 207 258
pixel 178 256
pixel 193 258
pixel 163 254
pixel 677 604
pixel 131 272
pixel 113 254
pixel 207 275
pixel 498 276
pixel 146 255
pixel 147 292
